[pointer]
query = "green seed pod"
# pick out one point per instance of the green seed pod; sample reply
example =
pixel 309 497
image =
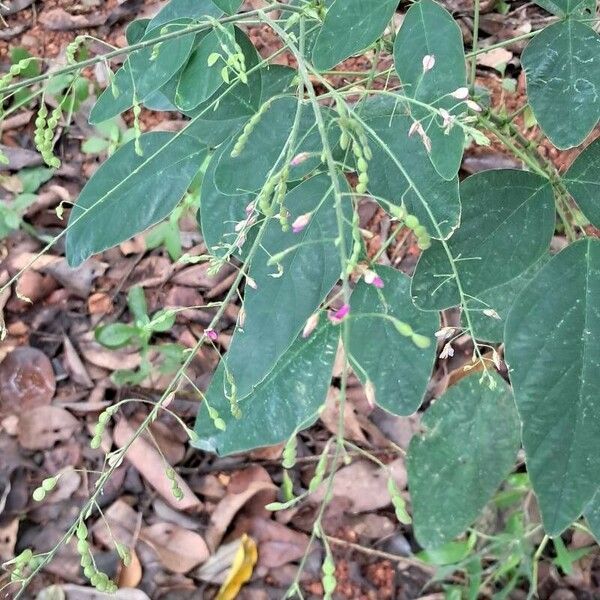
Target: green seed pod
pixel 86 561
pixel 403 328
pixel 362 165
pixel 344 140
pixel 49 484
pixel 39 494
pixel 82 531
pixel 24 558
pixel 95 579
pixel 89 571
pixel 424 244
pixel 95 442
pixel 83 547
pixel 220 424
pixel 363 178
pixel 361 188
pixel 15 70
pixel 411 222
pixel 289 452
pixel 420 341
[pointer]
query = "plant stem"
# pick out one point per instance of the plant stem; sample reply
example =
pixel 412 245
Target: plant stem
pixel 475 45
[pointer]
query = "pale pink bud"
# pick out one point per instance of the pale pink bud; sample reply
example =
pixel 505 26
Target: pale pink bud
pixel 251 282
pixel 339 315
pixel 428 62
pixel 371 278
pixel 426 142
pixel 473 106
pixel 416 127
pixel 211 334
pixel 299 159
pixel 250 209
pixel 301 222
pixel 447 117
pixel 462 93
pixel 490 312
pixel 310 325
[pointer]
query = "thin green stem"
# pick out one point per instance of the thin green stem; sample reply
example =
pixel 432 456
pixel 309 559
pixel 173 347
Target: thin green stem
pixel 476 9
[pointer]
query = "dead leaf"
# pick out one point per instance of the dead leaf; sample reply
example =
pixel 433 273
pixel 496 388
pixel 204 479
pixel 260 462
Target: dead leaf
pixel 8 539
pixel 131 574
pixel 100 304
pixel 123 522
pixel 244 486
pixel 277 544
pixel 112 360
pixel 74 366
pixel 149 463
pixel 495 59
pixel 241 569
pixel 26 380
pixel 42 427
pixel 79 592
pixel 178 549
pixel 330 417
pixel 364 484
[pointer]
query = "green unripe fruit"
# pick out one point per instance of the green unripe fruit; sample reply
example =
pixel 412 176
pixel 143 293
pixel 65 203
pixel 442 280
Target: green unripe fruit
pixel 82 531
pixel 362 165
pixel 15 70
pixel 420 231
pixel 43 112
pixel 89 572
pixel 95 579
pixel 404 328
pixel 361 188
pixel 40 122
pixel 49 484
pixel 95 443
pixel 39 494
pixel 86 561
pixel 83 547
pixel 420 341
pixel 424 244
pixel 48 135
pixel 363 178
pixel 52 122
pixel 411 222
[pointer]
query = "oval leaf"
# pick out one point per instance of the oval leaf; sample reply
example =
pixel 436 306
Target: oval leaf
pixel 286 401
pixel 400 381
pixel 563 81
pixel 469 446
pixel 552 349
pixel 128 193
pixel 349 27
pixel 278 308
pixel 415 41
pixel 583 181
pixel 507 224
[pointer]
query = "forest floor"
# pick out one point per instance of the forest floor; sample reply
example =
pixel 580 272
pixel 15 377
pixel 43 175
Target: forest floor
pixel 55 378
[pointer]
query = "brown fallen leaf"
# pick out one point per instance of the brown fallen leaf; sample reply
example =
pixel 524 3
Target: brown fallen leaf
pixel 150 465
pixel 330 417
pixel 112 360
pixel 178 549
pixel 8 539
pixel 80 592
pixel 131 574
pixel 250 484
pixel 123 522
pixel 27 380
pixel 74 366
pixel 277 544
pixel 365 485
pixel 43 426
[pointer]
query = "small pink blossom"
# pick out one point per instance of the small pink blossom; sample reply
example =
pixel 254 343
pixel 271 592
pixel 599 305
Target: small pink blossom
pixel 211 334
pixel 301 222
pixel 251 282
pixel 428 62
pixel 462 93
pixel 339 315
pixel 299 159
pixel 310 325
pixel 371 278
pixel 250 209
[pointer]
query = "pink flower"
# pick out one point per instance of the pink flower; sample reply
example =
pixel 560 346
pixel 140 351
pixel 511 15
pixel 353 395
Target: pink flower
pixel 339 315
pixel 299 159
pixel 371 278
pixel 211 334
pixel 473 106
pixel 428 62
pixel 462 93
pixel 301 222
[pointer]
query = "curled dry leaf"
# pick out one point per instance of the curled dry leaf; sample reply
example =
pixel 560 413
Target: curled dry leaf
pixel 330 417
pixel 241 569
pixel 178 549
pixel 149 463
pixel 74 366
pixel 42 427
pixel 277 544
pixel 252 484
pixel 8 539
pixel 131 574
pixel 26 380
pixel 365 485
pixel 113 360
pixel 123 522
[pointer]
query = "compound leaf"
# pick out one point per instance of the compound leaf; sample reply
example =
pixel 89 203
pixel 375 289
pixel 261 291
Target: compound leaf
pixel 401 379
pixel 583 181
pixel 507 224
pixel 276 311
pixel 469 446
pixel 553 348
pixel 562 64
pixel 228 6
pixel 566 7
pixel 349 27
pixel 415 41
pixel 129 193
pixel 401 171
pixel 286 401
pixel 185 9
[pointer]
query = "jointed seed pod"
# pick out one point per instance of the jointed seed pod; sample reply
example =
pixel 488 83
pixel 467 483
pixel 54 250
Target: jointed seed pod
pixel 72 49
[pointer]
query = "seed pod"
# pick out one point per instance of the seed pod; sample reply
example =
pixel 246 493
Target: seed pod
pixel 411 222
pixel 289 452
pixel 39 494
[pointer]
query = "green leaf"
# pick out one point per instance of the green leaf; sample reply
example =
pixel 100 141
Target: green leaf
pixel 507 223
pixel 401 171
pixel 185 9
pixel 415 41
pixel 95 145
pixel 400 381
pixel 228 6
pixel 583 181
pixel 566 7
pixel 136 301
pixel 219 213
pixel 141 75
pixel 266 147
pixel 286 401
pixel 197 81
pixel 448 554
pixel 278 308
pixel 500 299
pixel 592 516
pixel 129 193
pixel 563 81
pixel 469 446
pixel 33 178
pixel 115 335
pixel 552 348
pixel 349 27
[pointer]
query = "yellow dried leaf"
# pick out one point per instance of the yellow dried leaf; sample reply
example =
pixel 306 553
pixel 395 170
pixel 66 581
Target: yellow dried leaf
pixel 241 569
